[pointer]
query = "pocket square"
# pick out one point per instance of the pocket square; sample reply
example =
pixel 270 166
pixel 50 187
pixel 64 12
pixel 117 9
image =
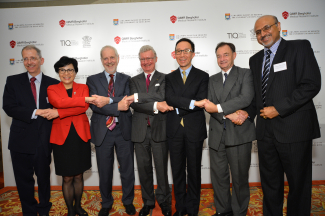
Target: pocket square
pixel 157 84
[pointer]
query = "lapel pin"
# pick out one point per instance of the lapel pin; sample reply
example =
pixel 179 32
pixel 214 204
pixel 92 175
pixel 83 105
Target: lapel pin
pixel 74 93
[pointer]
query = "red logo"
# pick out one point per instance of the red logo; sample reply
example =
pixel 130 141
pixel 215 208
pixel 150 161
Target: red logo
pixel 62 23
pixel 117 39
pixel 173 19
pixel 173 54
pixel 285 14
pixel 12 43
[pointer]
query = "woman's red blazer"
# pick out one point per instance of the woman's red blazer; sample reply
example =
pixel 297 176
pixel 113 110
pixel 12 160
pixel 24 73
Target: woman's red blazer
pixel 71 110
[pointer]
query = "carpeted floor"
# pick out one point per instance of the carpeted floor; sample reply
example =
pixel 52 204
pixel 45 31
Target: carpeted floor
pixel 10 205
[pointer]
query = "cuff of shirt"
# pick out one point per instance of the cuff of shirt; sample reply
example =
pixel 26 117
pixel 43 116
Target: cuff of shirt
pixel 155 110
pixel 33 115
pixel 177 111
pixel 220 110
pixel 110 100
pixel 136 97
pixel 192 104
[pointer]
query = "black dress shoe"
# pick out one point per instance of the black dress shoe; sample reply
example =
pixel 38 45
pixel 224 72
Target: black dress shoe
pixel 166 209
pixel 146 210
pixel 80 211
pixel 224 214
pixel 129 209
pixel 177 213
pixel 104 211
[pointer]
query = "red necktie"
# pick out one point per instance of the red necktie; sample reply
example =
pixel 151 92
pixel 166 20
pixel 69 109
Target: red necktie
pixel 110 123
pixel 33 87
pixel 147 84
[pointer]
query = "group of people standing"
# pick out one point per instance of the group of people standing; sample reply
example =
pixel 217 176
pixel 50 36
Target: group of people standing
pixel 169 116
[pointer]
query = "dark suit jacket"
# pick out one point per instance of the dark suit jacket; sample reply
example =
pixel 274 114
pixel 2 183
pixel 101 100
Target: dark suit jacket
pixel 144 107
pixel 18 102
pixel 179 96
pixel 98 85
pixel 290 91
pixel 71 110
pixel 237 94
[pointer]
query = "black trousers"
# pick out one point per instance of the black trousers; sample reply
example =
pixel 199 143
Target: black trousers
pixel 24 166
pixel 293 159
pixel 186 154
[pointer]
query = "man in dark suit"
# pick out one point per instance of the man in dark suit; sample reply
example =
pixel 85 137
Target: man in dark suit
pixel 286 78
pixel 149 131
pixel 230 144
pixel 186 127
pixel 111 126
pixel 25 100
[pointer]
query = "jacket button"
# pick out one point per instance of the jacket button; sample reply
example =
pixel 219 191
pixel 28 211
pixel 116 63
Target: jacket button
pixel 211 129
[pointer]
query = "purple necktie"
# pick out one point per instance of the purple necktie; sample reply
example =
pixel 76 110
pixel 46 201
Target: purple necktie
pixel 33 86
pixel 110 123
pixel 147 84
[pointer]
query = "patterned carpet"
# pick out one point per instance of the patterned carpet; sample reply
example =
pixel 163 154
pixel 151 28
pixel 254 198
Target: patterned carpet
pixel 10 205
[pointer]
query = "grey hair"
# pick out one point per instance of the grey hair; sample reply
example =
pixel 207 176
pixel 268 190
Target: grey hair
pixel 146 48
pixel 30 47
pixel 109 47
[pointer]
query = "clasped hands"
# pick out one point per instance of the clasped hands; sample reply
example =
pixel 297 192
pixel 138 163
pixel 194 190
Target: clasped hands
pixel 47 113
pixel 161 106
pixel 238 117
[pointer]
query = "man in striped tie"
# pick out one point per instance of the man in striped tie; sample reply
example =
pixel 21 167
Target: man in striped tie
pixel 286 79
pixel 111 129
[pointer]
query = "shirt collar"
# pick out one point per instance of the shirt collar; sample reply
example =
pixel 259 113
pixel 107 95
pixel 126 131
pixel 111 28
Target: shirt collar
pixel 187 71
pixel 107 75
pixel 145 74
pixel 227 72
pixel 274 47
pixel 38 77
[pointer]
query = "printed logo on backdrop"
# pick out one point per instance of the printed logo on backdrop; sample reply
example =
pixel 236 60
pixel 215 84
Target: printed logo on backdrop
pixel 12 26
pixel 254 165
pixel 130 21
pixel 317 163
pixel 296 14
pixel 24 43
pixel 91 171
pixel 128 57
pixel 173 55
pixel 86 40
pixel 253 35
pixel 303 32
pixel 284 33
pixel 69 43
pixel 248 52
pixel 254 146
pixel 199 54
pixel 244 16
pixel 118 39
pixel 173 19
pixel 227 16
pixel 84 59
pixel 204 167
pixel 317 143
pixel 319 105
pixel 64 23
pixel 189 36
pixel 236 35
pixel 12 61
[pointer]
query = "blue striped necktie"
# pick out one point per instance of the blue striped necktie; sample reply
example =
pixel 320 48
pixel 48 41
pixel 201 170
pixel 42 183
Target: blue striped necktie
pixel 266 72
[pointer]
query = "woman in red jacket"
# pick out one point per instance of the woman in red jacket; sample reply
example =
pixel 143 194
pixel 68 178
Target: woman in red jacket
pixel 70 133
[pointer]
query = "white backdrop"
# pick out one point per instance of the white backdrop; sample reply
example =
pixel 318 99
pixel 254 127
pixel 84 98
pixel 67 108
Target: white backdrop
pixel 81 31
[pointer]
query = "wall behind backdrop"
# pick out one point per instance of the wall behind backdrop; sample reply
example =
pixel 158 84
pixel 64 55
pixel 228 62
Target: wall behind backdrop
pixel 81 31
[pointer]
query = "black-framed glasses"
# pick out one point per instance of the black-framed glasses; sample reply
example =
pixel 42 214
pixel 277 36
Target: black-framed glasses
pixel 68 71
pixel 185 51
pixel 264 29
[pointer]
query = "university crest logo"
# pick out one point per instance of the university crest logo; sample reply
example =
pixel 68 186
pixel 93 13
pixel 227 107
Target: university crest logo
pixel 227 16
pixel 115 21
pixel 12 61
pixel 10 26
pixel 171 37
pixel 285 33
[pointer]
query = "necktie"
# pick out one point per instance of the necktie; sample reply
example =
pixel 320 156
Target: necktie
pixel 33 87
pixel 266 72
pixel 184 80
pixel 147 84
pixel 110 120
pixel 224 121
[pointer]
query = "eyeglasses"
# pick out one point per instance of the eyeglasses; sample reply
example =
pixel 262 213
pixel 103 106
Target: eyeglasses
pixel 112 58
pixel 186 51
pixel 68 71
pixel 146 59
pixel 264 29
pixel 30 59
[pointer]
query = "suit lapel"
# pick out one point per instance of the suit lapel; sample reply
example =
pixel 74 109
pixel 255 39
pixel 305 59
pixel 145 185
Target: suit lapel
pixel 277 58
pixel 154 80
pixel 75 90
pixel 218 86
pixel 189 79
pixel 118 84
pixel 43 92
pixel 259 69
pixel 231 79
pixel 27 90
pixel 178 78
pixel 104 83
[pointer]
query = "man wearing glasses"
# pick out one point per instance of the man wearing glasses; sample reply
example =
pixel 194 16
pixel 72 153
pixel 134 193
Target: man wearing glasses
pixel 286 79
pixel 186 127
pixel 149 131
pixel 25 100
pixel 111 129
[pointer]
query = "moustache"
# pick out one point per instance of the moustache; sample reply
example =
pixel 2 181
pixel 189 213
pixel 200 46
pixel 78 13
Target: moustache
pixel 266 36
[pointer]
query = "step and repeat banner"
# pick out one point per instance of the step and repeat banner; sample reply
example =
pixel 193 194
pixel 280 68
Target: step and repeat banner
pixel 81 31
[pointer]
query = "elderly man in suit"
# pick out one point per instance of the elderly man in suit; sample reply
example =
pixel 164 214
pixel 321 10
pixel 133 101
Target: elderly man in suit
pixel 25 100
pixel 111 127
pixel 286 79
pixel 186 127
pixel 149 131
pixel 230 136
